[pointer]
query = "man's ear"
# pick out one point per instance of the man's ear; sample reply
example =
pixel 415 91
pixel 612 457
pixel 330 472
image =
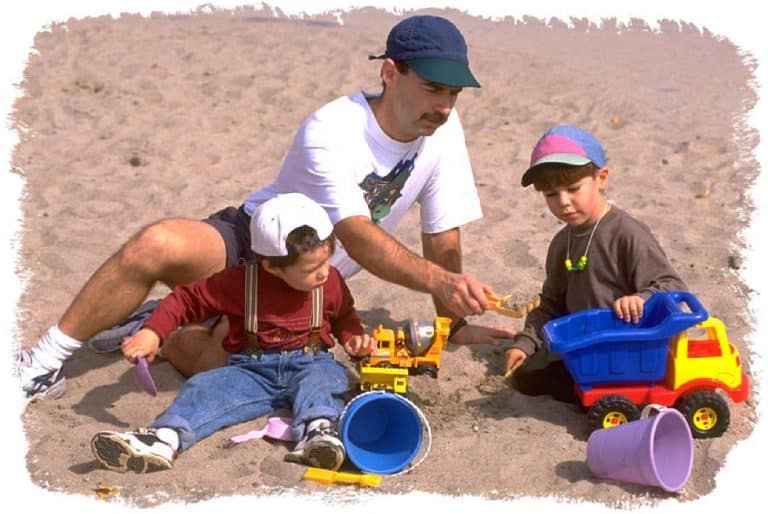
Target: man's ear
pixel 388 71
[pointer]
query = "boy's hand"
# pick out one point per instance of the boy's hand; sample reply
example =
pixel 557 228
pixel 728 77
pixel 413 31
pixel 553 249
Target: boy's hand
pixel 629 308
pixel 515 358
pixel 142 344
pixel 359 346
pixel 478 334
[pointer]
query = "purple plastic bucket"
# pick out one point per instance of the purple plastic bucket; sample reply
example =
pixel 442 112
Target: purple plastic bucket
pixel 655 451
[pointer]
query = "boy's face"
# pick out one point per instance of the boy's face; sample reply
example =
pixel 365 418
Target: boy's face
pixel 579 203
pixel 309 271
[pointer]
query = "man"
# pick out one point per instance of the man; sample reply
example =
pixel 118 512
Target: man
pixel 366 160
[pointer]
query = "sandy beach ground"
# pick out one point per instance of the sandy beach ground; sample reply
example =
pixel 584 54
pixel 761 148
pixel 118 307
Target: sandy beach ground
pixel 126 120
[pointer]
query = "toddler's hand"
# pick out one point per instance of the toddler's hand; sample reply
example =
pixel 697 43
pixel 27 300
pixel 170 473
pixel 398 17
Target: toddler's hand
pixel 629 308
pixel 358 346
pixel 142 344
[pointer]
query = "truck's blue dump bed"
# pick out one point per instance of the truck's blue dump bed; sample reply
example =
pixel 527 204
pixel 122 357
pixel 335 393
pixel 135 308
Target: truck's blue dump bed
pixel 599 348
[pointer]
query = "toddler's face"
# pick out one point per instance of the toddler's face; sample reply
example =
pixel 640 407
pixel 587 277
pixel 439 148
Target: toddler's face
pixel 579 203
pixel 309 271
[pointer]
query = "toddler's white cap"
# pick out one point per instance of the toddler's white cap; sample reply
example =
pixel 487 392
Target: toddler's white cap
pixel 274 219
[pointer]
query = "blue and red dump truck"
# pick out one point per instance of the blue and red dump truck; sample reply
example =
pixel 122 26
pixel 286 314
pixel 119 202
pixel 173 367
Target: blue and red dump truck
pixel 676 355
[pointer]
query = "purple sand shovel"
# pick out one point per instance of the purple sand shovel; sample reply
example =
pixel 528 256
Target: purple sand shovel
pixel 143 377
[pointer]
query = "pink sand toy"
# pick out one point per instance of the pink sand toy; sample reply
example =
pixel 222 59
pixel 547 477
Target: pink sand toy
pixel 276 428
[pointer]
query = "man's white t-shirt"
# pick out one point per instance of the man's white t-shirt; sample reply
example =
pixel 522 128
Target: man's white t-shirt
pixel 342 159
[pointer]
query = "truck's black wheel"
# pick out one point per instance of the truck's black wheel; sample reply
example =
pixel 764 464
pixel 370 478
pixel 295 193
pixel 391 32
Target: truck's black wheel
pixel 612 410
pixel 429 370
pixel 706 413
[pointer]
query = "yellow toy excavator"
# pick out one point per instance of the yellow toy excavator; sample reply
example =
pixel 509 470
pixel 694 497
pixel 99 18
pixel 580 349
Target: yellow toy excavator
pixel 416 347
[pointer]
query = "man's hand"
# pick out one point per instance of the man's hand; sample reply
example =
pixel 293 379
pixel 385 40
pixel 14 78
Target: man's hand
pixel 359 346
pixel 462 295
pixel 142 344
pixel 629 308
pixel 455 294
pixel 437 273
pixel 477 334
pixel 515 358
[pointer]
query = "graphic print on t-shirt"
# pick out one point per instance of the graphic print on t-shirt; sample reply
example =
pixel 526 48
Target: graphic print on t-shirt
pixel 382 192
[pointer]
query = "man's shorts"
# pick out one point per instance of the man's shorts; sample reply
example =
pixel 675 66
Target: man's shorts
pixel 234 226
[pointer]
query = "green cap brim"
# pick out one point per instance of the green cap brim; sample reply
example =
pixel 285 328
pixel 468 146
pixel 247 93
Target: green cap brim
pixel 553 158
pixel 444 71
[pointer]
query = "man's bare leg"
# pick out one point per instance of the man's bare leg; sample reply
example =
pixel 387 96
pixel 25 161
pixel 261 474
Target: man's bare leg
pixel 196 348
pixel 172 251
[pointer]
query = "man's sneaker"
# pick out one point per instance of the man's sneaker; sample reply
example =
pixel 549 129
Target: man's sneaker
pixel 110 340
pixel 140 451
pixel 37 382
pixel 320 447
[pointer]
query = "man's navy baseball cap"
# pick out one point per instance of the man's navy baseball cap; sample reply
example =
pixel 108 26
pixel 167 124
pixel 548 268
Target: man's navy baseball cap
pixel 433 47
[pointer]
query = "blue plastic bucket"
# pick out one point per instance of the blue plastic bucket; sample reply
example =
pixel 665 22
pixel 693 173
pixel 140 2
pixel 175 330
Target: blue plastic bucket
pixel 381 432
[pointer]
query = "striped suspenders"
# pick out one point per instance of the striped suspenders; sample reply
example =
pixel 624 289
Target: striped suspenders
pixel 252 345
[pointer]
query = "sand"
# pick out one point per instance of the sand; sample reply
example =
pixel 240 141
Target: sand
pixel 124 121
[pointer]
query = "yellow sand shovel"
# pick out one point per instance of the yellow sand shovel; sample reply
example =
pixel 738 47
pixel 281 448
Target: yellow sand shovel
pixel 326 476
pixel 514 306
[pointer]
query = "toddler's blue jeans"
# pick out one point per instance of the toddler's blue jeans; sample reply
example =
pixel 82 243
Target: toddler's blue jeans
pixel 311 385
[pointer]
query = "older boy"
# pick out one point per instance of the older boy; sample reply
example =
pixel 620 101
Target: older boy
pixel 283 309
pixel 603 257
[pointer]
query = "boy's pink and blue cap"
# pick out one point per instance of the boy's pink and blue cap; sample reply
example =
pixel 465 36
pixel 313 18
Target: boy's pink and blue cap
pixel 565 144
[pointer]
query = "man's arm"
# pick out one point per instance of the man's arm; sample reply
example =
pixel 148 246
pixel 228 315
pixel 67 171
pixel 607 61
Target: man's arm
pixel 444 249
pixel 455 294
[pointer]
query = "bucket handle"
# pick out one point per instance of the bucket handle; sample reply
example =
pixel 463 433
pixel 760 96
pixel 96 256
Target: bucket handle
pixel 425 424
pixel 651 407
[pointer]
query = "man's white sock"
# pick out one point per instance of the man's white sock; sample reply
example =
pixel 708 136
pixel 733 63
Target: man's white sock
pixel 54 348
